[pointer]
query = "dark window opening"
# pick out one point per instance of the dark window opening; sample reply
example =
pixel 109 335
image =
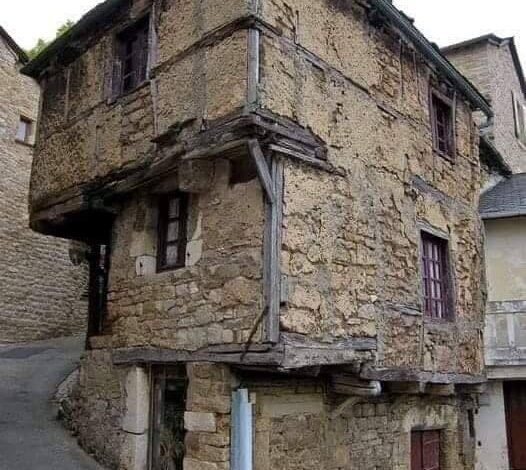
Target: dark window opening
pixel 133 56
pixel 167 448
pixel 24 130
pixel 443 125
pixel 436 277
pixel 425 450
pixel 172 228
pixel 99 263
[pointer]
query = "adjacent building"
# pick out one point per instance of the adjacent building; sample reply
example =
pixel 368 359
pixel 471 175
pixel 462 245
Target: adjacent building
pixel 41 288
pixel 281 200
pixel 493 65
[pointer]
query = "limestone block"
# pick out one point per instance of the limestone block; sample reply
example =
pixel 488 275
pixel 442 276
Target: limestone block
pixel 145 265
pixel 191 464
pixel 200 422
pixel 136 418
pixel 134 452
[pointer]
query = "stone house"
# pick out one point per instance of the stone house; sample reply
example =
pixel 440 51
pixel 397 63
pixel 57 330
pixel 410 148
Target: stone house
pixel 286 252
pixel 493 65
pixel 40 288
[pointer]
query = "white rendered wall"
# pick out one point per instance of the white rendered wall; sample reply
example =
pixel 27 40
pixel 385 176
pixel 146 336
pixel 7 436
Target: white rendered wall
pixel 490 425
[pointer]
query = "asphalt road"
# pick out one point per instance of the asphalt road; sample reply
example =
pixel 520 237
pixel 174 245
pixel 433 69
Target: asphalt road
pixel 31 438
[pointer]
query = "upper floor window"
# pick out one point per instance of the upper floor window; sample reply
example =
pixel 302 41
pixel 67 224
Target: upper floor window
pixel 436 277
pixel 172 228
pixel 443 126
pixel 132 56
pixel 24 130
pixel 519 113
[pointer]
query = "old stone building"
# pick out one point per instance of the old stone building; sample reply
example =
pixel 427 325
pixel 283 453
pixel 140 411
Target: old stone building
pixel 281 202
pixel 40 288
pixel 493 65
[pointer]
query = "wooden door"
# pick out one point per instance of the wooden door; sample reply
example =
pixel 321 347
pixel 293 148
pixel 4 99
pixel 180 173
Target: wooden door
pixel 425 450
pixel 515 403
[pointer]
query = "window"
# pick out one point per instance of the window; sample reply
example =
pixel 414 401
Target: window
pixel 24 130
pixel 425 450
pixel 519 114
pixel 173 214
pixel 167 448
pixel 132 57
pixel 98 287
pixel 442 125
pixel 435 277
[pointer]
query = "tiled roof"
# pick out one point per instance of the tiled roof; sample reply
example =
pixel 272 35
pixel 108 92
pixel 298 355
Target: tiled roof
pixel 506 199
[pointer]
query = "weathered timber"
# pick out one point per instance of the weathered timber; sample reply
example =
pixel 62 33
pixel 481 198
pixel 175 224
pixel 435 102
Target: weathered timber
pixel 291 353
pixel 262 169
pixel 411 375
pixel 345 384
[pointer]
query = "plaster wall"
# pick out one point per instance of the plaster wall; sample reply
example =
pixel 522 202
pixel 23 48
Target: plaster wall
pixel 506 259
pixel 490 423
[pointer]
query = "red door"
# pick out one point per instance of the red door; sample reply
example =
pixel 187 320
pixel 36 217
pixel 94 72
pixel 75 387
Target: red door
pixel 425 450
pixel 515 403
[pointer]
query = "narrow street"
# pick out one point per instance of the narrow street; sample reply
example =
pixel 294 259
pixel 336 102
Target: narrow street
pixel 31 438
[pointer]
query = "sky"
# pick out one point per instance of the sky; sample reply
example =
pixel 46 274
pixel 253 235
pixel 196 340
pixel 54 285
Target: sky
pixel 442 21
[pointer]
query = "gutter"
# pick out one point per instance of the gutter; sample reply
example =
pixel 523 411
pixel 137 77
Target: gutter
pixel 433 54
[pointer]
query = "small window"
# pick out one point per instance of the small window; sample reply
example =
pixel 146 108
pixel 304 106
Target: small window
pixel 442 125
pixel 519 114
pixel 173 214
pixel 167 433
pixel 24 130
pixel 425 450
pixel 132 60
pixel 436 277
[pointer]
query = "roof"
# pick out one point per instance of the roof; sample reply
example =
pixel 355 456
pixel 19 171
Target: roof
pixel 498 41
pixel 22 56
pixel 103 13
pixel 506 199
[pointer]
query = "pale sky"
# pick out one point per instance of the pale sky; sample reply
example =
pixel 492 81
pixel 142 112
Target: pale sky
pixel 442 21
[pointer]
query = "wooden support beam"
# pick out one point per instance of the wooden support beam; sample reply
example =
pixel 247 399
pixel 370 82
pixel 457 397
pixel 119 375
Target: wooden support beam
pixel 405 388
pixel 263 169
pixel 345 384
pixel 441 390
pixel 472 389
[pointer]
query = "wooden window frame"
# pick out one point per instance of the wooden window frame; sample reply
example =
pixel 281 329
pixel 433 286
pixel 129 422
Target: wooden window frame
pixel 519 119
pixel 446 278
pixel 435 97
pixel 162 231
pixel 159 376
pixel 28 131
pixel 139 73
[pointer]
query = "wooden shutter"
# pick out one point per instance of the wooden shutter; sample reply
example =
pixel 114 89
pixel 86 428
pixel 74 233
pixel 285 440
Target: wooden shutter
pixel 425 450
pixel 116 80
pixel 515 404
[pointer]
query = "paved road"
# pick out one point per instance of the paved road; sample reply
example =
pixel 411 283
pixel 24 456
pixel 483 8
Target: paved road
pixel 30 436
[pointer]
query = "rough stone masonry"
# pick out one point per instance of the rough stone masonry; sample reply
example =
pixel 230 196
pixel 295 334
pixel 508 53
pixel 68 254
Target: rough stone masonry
pixel 42 292
pixel 301 134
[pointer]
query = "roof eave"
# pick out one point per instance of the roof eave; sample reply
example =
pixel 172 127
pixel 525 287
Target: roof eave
pixel 21 54
pixel 434 55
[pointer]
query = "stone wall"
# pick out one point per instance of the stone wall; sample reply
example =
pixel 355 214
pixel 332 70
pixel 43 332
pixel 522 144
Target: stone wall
pixel 217 297
pixel 490 67
pixel 351 236
pixel 198 74
pixel 299 426
pixel 42 290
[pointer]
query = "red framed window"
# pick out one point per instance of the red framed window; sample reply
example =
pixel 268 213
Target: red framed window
pixel 172 237
pixel 425 450
pixel 442 125
pixel 436 277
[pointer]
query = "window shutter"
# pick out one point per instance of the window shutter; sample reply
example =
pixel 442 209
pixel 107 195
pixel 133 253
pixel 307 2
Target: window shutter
pixel 518 116
pixel 116 80
pixel 522 122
